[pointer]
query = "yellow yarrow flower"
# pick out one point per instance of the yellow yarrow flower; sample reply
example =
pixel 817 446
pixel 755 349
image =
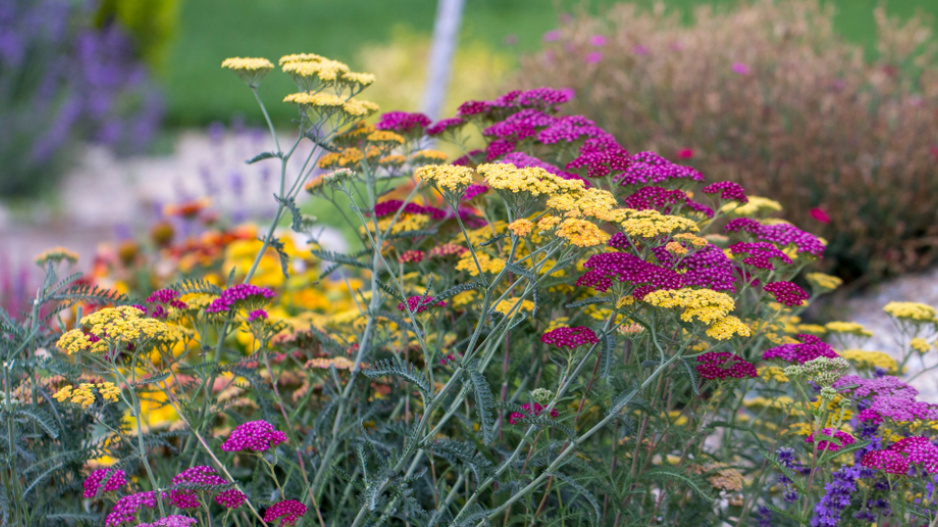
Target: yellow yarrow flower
pixel 522 227
pixel 385 138
pixel 75 341
pixel 56 255
pixel 486 262
pixel 870 360
pixel 725 328
pixel 651 223
pixel 772 373
pixel 428 156
pixel 250 69
pixel 824 282
pixel 581 233
pixel 912 311
pixel 530 180
pixel 505 306
pixel 324 70
pixel 449 177
pixel 84 394
pixel 358 108
pixel 675 248
pixel 851 328
pixel 755 205
pixel 359 80
pixel 920 345
pixel 694 240
pixel 706 305
pixel 301 57
pixel 315 100
pixel 547 223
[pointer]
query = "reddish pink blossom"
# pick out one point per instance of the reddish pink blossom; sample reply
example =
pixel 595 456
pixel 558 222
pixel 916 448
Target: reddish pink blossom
pixel 740 68
pixel 115 480
pixel 685 153
pixel 570 337
pixel 787 293
pixel 419 304
pixel 287 512
pixel 887 461
pixel 842 437
pixel 256 436
pixel 722 365
pixel 819 215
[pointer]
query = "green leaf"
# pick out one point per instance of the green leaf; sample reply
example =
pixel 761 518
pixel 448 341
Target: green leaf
pixel 339 258
pixel 666 475
pixel 490 241
pixel 608 351
pixel 484 399
pixel 299 222
pixel 552 423
pixel 404 370
pixel 282 253
pixel 588 301
pixel 260 157
pixel 582 490
pixel 459 288
pixel 389 290
pixel 517 269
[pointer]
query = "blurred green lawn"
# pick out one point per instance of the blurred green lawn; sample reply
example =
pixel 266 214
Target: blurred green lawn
pixel 199 92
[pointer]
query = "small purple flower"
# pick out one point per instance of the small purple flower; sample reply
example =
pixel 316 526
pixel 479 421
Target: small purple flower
pixel 256 314
pixel 287 511
pixel 593 57
pixel 597 40
pixel 173 520
pixel 551 36
pixel 115 480
pixel 239 293
pixel 125 510
pixel 230 499
pixel 640 50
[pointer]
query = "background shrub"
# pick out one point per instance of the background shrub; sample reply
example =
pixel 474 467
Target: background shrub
pixel 61 80
pixel 769 96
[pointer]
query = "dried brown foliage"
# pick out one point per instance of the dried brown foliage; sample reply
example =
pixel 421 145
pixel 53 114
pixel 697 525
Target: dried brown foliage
pixel 771 97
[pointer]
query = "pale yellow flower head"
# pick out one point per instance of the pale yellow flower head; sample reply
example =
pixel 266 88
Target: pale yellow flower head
pixel 705 305
pixel 581 233
pixel 448 177
pixel 56 255
pixel 250 69
pixel 911 311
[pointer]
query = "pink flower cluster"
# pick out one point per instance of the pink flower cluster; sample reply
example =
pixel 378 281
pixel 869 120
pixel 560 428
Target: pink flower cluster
pixel 419 304
pixel 862 387
pixel 722 365
pixel 173 520
pixel 664 200
pixel 164 297
pixel 256 314
pixel 811 348
pixel 474 190
pixel 230 499
pixel 649 167
pixel 445 125
pixel 569 129
pixel 760 254
pixel 256 436
pixel 844 438
pixel 540 98
pixel 403 122
pixel 412 257
pixel 231 296
pixel 781 234
pixel 392 206
pixel 125 510
pixel 570 337
pixel 787 293
pixel 519 126
pixel 708 267
pixel 287 512
pixel 601 156
pixel 917 451
pixel 115 480
pixel 625 267
pixel 888 397
pixel 202 476
pixel 728 190
pixel 533 410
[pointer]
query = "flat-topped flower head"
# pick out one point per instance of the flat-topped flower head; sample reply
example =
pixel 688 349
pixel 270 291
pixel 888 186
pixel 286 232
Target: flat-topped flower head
pixel 445 126
pixel 126 508
pixel 385 139
pixel 809 349
pixel 253 436
pixel 199 476
pixel 603 268
pixel 250 69
pixel 650 223
pixel 451 178
pixel 103 480
pixel 787 293
pixel 911 311
pixel 570 337
pixel 728 190
pixel 230 499
pixel 419 304
pixel 760 254
pixel 533 181
pixel 521 228
pixel 242 295
pixel 723 365
pixel 84 394
pixel 301 57
pixel 311 75
pixel 404 123
pixel 428 157
pixel 823 282
pixel 781 234
pixel 287 512
pixel 705 305
pixel 173 520
pixel 581 233
pixel 848 328
pixel 728 327
pixel 56 255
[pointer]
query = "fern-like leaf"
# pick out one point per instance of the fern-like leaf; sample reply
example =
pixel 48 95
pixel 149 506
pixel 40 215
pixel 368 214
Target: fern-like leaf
pixel 582 490
pixel 339 258
pixel 404 370
pixel 484 400
pixel 589 301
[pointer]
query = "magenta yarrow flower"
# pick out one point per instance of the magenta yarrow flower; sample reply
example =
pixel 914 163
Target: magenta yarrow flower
pixel 844 438
pixel 570 337
pixel 202 476
pixel 708 267
pixel 445 125
pixel 393 206
pixel 600 156
pixel 740 68
pixel 664 200
pixel 473 191
pixel 115 479
pixel 230 499
pixel 470 159
pixel 819 215
pixel 811 348
pixel 533 410
pixel 254 436
pixel 125 510
pixel 648 167
pixel 901 455
pixel 626 267
pixel 760 254
pixel 686 153
pixel 781 234
pixel 886 461
pixel 499 148
pixel 173 520
pixel 722 365
pixel 419 304
pixel 412 257
pixel 787 293
pixel 256 314
pixel 403 122
pixel 239 293
pixel 861 387
pixel 594 57
pixel 287 512
pixel 728 190
pixel 597 40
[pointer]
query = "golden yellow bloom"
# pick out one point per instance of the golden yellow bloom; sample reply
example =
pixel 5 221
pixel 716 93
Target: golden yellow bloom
pixel 315 100
pixel 84 394
pixel 359 108
pixel 694 240
pixel 725 328
pixel 450 177
pixel 920 345
pixel 530 180
pixel 465 298
pixel 581 233
pixel 123 323
pixel 651 223
pixel 547 223
pixel 301 57
pixel 505 306
pixel 360 80
pixel 870 360
pixel 108 391
pixel 324 70
pixel 851 328
pixel 56 255
pixel 772 373
pixel 428 156
pixel 386 138
pixel 344 158
pixel 74 341
pixel 912 311
pixel 486 262
pixel 521 227
pixel 727 479
pixel 706 305
pixel 247 64
pixel 823 281
pixel 626 300
pixel 393 160
pixel 756 205
pixel 675 248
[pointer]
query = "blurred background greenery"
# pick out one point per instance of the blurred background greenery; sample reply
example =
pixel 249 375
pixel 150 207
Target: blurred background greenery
pixel 390 39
